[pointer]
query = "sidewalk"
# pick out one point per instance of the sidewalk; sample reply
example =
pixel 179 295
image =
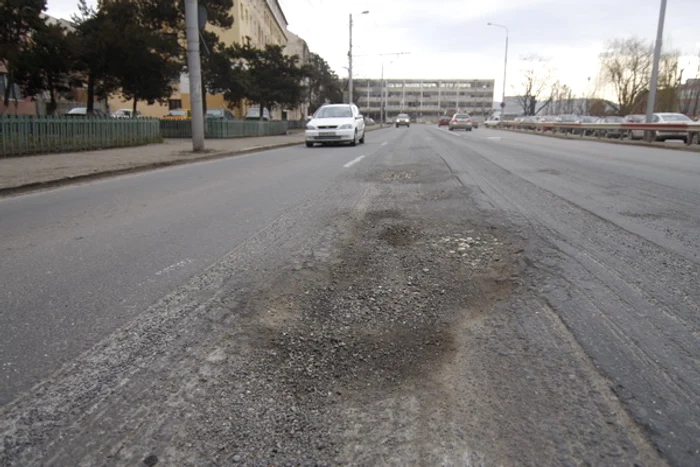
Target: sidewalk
pixel 18 174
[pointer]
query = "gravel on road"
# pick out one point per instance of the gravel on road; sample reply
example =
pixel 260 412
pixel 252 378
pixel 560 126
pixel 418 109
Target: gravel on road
pixel 401 326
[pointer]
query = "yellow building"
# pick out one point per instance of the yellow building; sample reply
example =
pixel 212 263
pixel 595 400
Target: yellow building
pixel 261 22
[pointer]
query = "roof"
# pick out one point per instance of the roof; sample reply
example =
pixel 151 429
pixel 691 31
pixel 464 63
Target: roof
pixel 63 22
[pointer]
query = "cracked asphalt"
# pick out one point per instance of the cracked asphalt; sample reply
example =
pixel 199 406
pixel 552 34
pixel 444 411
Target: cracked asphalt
pixel 483 298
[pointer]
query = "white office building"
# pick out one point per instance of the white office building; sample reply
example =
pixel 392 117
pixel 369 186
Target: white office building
pixel 424 99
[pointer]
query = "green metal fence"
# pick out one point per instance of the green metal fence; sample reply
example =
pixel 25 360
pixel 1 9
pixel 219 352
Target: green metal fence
pixel 297 124
pixel 224 128
pixel 24 135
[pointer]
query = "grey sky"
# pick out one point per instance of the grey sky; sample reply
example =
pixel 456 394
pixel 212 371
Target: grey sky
pixel 450 38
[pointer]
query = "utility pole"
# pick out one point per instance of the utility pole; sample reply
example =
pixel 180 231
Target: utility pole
pixel 350 59
pixel 655 69
pixel 350 65
pixel 381 99
pixel 195 72
pixel 505 63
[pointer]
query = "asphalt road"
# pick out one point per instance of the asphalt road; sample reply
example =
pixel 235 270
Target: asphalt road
pixel 619 256
pixel 611 252
pixel 79 262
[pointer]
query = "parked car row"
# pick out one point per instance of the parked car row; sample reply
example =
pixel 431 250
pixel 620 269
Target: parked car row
pixel 658 118
pixel 175 114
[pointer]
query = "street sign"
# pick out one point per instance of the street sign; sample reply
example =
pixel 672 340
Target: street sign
pixel 201 16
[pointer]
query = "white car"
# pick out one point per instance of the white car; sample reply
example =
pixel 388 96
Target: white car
pixel 126 113
pixel 493 122
pixel 669 118
pixel 336 124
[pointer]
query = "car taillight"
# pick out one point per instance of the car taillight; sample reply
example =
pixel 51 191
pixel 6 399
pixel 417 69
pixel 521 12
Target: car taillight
pixel 454 120
pixel 469 120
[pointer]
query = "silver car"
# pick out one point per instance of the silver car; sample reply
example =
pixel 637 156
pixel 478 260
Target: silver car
pixel 671 118
pixel 403 120
pixel 461 122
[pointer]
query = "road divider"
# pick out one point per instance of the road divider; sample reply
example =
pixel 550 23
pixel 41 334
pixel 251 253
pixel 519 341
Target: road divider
pixel 689 132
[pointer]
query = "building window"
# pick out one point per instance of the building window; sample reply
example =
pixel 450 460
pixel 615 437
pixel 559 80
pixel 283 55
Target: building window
pixel 174 104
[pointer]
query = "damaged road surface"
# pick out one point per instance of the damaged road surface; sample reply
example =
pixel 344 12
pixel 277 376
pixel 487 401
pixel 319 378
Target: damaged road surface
pixel 448 300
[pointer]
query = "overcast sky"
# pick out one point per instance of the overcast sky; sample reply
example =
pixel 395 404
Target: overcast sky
pixel 451 39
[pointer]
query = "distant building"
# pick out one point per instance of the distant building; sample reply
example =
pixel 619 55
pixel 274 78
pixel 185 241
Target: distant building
pixel 256 22
pixel 423 99
pixel 50 20
pixel 19 104
pixel 689 97
pixel 297 46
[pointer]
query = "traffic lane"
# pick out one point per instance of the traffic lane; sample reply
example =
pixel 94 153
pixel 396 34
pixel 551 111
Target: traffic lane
pixel 630 303
pixel 624 184
pixel 78 262
pixel 660 165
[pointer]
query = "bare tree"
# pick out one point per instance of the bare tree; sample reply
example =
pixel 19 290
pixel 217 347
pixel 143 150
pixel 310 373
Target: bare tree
pixel 536 80
pixel 597 107
pixel 626 66
pixel 669 83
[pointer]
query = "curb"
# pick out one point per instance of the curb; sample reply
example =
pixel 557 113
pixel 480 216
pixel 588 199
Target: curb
pixel 684 147
pixel 59 182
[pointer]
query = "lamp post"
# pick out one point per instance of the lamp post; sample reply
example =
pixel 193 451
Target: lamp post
pixel 505 64
pixel 651 101
pixel 350 61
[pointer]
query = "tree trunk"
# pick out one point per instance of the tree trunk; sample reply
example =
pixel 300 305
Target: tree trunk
pixel 262 106
pixel 6 97
pixel 133 112
pixel 91 93
pixel 14 94
pixel 51 110
pixel 204 99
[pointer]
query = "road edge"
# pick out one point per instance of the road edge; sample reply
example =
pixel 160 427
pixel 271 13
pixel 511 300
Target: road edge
pixel 644 144
pixel 6 192
pixel 71 180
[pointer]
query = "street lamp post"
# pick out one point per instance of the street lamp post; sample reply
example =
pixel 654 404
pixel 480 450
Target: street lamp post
pixel 651 101
pixel 350 60
pixel 505 64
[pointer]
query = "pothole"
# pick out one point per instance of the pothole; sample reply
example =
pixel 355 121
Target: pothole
pixel 398 235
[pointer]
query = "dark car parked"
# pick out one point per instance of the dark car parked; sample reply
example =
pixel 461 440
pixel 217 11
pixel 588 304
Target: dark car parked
pixel 610 133
pixel 83 112
pixel 219 114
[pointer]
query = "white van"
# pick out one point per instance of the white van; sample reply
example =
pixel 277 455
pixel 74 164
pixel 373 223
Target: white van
pixel 493 121
pixel 254 114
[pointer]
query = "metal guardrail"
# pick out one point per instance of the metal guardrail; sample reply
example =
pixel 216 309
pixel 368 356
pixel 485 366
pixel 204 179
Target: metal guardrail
pixel 25 135
pixel 688 131
pixel 216 129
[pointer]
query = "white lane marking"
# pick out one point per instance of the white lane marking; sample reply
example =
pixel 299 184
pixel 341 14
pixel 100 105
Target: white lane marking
pixel 455 134
pixel 495 138
pixel 173 267
pixel 384 143
pixel 353 162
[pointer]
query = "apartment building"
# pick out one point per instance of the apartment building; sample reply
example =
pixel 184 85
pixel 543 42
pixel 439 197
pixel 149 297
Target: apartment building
pixel 257 22
pixel 424 99
pixel 297 46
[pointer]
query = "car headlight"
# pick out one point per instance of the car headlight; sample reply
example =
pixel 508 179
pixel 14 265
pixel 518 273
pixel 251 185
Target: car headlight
pixel 347 126
pixel 310 127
